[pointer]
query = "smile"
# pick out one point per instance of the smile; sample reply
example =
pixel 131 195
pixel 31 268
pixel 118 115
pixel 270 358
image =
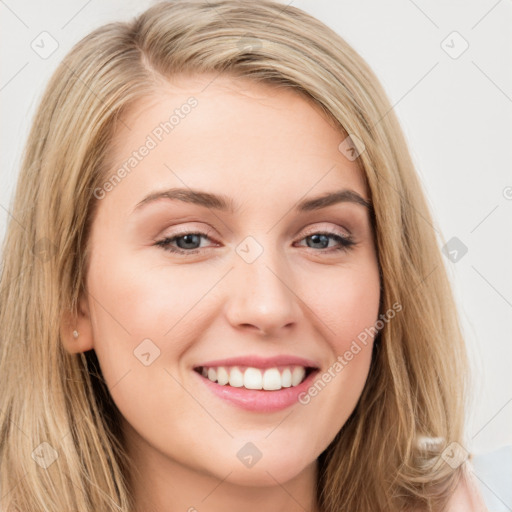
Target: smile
pixel 269 379
pixel 257 398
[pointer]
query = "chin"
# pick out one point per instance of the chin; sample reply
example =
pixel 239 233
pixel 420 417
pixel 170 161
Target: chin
pixel 267 471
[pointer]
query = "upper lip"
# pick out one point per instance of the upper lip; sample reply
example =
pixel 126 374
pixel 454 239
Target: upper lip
pixel 255 361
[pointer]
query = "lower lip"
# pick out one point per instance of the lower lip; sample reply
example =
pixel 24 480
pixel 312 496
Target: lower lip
pixel 259 400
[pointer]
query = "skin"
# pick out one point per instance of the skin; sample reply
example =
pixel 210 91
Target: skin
pixel 467 496
pixel 266 148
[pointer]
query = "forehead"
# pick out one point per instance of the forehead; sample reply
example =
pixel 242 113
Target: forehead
pixel 233 136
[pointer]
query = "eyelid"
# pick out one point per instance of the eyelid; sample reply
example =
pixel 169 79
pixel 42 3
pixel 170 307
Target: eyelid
pixel 302 233
pixel 316 229
pixel 205 229
pixel 345 241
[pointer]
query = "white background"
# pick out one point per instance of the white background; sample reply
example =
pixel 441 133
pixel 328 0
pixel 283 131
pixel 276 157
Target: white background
pixel 455 113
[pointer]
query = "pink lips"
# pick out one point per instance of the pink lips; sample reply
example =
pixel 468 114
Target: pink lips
pixel 260 400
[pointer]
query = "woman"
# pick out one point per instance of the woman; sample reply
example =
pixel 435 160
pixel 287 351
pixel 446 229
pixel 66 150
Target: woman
pixel 255 370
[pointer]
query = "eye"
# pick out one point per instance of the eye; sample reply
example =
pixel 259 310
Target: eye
pixel 322 239
pixel 187 242
pixel 190 242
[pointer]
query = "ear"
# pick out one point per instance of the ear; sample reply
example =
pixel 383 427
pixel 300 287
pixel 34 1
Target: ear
pixel 81 324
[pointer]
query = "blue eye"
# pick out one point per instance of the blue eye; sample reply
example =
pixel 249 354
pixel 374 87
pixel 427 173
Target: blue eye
pixel 190 242
pixel 345 242
pixel 184 242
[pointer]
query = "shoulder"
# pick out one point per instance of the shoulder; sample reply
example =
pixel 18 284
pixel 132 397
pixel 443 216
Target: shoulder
pixel 467 497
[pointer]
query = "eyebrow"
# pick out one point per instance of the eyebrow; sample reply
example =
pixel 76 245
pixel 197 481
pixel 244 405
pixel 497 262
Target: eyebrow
pixel 224 203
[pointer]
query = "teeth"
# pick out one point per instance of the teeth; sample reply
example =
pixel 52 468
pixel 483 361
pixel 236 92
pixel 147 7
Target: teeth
pixel 236 378
pixel 222 376
pixel 270 379
pixel 253 379
pixel 297 375
pixel 286 378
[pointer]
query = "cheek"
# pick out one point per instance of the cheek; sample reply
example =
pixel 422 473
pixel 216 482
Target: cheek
pixel 141 300
pixel 348 304
pixel 141 329
pixel 138 308
pixel 348 307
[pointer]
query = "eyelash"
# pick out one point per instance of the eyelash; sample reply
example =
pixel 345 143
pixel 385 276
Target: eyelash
pixel 346 242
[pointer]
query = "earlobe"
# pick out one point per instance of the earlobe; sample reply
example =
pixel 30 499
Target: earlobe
pixel 76 330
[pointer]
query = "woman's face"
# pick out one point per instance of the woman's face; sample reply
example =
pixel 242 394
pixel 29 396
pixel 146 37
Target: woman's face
pixel 259 278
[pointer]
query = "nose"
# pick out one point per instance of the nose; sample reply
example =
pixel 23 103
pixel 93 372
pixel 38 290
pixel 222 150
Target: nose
pixel 261 295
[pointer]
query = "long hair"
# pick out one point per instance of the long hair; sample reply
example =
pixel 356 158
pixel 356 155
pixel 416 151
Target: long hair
pixel 55 407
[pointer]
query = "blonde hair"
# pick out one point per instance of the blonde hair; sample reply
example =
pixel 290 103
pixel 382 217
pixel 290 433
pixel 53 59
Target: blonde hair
pixel 418 380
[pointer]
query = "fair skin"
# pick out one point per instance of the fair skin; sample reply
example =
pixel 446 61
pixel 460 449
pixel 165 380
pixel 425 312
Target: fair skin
pixel 264 149
pixel 467 496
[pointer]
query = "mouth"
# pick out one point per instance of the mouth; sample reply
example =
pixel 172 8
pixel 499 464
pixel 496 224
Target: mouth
pixel 258 390
pixel 252 378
